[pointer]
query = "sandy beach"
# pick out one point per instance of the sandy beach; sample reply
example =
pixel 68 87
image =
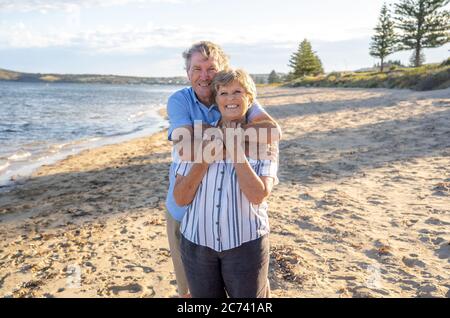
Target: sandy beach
pixel 362 208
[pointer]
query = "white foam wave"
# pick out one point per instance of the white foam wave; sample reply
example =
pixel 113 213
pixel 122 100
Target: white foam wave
pixel 138 115
pixel 20 155
pixel 3 164
pixel 151 110
pixel 56 148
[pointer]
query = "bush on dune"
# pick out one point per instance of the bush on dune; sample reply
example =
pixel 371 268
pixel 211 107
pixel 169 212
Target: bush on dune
pixel 446 62
pixel 438 80
pixel 426 77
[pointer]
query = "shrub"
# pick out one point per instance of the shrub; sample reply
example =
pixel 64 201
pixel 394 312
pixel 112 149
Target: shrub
pixel 426 77
pixel 393 68
pixel 434 81
pixel 446 62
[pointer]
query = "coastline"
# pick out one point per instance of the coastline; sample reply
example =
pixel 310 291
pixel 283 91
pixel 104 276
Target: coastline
pixel 361 209
pixel 24 171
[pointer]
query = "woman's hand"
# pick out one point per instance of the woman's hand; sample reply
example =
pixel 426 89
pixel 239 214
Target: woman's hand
pixel 234 141
pixel 212 146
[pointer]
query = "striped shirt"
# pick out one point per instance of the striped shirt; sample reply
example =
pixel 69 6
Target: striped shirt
pixel 220 216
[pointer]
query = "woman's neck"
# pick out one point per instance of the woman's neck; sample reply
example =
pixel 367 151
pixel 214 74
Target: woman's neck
pixel 225 121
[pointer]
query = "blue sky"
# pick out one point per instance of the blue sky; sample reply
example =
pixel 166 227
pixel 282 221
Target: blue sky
pixel 147 37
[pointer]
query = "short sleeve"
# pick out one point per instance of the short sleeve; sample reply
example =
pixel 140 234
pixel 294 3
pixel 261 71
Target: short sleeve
pixel 268 168
pixel 182 168
pixel 178 112
pixel 254 111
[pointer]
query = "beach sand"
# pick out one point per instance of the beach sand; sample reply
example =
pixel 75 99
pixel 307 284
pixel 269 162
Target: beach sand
pixel 362 208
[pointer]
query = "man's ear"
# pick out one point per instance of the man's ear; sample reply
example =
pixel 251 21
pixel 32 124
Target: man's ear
pixel 187 73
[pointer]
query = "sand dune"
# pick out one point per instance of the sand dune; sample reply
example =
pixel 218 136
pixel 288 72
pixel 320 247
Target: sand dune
pixel 362 208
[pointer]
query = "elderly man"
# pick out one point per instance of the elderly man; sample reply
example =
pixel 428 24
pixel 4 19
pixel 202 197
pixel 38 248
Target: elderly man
pixel 203 60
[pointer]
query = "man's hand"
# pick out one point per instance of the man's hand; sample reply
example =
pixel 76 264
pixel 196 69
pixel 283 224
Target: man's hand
pixel 195 144
pixel 265 132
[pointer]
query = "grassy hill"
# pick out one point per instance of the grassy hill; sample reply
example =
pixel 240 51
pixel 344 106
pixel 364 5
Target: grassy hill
pixel 426 77
pixel 7 75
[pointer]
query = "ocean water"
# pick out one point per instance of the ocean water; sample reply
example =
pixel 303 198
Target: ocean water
pixel 41 123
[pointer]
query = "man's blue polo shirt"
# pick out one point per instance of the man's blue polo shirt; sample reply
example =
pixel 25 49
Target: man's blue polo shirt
pixel 183 108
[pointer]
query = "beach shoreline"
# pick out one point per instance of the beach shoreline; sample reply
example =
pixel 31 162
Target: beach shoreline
pixel 22 171
pixel 361 209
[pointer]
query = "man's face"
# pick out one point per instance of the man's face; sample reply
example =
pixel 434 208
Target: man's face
pixel 201 73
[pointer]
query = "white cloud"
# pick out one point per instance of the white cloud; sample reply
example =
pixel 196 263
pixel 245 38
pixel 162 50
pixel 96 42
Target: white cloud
pixel 134 38
pixel 75 29
pixel 44 6
pixel 21 36
pixel 69 25
pixel 124 39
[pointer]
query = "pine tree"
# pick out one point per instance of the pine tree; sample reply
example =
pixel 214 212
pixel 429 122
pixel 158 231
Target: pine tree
pixel 422 25
pixel 413 59
pixel 305 61
pixel 273 77
pixel 384 40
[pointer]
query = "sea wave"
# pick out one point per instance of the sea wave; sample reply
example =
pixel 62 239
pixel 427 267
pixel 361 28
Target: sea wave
pixel 57 147
pixel 150 111
pixel 4 164
pixel 48 125
pixel 140 114
pixel 20 155
pixel 8 131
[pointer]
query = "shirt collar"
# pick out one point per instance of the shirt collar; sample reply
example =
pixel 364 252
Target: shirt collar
pixel 197 101
pixel 216 122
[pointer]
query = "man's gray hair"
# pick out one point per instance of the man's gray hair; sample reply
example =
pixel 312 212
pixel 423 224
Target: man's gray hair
pixel 207 49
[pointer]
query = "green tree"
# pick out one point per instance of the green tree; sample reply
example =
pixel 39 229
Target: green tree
pixel 273 77
pixel 305 61
pixel 422 24
pixel 414 59
pixel 384 40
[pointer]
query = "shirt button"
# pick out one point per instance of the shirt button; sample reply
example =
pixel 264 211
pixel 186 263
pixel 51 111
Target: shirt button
pixel 217 223
pixel 218 239
pixel 222 172
pixel 218 205
pixel 219 189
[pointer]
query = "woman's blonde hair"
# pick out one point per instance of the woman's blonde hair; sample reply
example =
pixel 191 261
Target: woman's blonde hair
pixel 226 77
pixel 207 49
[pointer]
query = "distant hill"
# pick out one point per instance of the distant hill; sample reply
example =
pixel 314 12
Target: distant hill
pixel 7 75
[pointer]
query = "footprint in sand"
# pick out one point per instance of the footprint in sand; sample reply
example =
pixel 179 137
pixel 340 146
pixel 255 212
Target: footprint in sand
pixel 145 269
pixel 130 288
pixel 444 251
pixel 2 279
pixel 412 262
pixel 123 230
pixel 442 188
pixel 436 221
pixel 427 290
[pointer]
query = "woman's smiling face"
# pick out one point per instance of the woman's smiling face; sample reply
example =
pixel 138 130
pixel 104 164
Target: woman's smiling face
pixel 233 101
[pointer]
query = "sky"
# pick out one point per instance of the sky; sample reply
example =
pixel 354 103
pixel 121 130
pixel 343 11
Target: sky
pixel 147 37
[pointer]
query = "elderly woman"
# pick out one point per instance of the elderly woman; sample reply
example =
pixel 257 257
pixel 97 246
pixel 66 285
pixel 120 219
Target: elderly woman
pixel 225 244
